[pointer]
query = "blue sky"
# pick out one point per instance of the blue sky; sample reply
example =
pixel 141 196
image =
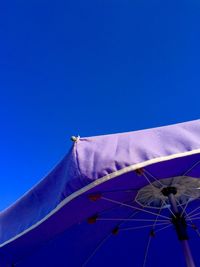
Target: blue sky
pixel 89 68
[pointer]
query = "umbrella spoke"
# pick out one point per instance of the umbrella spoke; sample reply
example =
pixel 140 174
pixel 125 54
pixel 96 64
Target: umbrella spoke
pixel 148 180
pixel 129 220
pixel 193 226
pixel 197 231
pixel 147 250
pixel 169 208
pixel 183 194
pixel 183 208
pixel 100 244
pixel 151 234
pixel 135 208
pixel 129 217
pixel 191 168
pixel 194 215
pixel 191 212
pixel 143 226
pixel 196 218
pixel 152 176
pixel 163 228
pixel 115 207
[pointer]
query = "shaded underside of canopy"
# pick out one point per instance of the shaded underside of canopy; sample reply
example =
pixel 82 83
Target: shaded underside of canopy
pixel 49 225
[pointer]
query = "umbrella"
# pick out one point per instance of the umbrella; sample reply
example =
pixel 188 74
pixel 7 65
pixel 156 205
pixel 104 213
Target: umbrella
pixel 129 199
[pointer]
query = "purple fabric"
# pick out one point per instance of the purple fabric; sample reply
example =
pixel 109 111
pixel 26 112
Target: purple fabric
pixel 88 160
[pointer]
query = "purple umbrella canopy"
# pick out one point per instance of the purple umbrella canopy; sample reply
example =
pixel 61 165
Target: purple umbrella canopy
pixel 128 199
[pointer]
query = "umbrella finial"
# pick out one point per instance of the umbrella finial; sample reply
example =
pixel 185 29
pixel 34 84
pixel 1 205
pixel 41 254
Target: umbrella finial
pixel 75 138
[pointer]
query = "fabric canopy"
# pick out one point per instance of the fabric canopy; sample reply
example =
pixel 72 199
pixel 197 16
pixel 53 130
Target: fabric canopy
pixel 51 225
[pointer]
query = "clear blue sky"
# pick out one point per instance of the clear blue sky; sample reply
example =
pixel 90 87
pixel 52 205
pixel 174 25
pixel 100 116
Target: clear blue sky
pixel 89 68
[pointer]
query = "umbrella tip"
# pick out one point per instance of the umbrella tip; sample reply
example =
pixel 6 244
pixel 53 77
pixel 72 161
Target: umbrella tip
pixel 139 171
pixel 115 231
pixel 75 138
pixel 92 219
pixel 95 197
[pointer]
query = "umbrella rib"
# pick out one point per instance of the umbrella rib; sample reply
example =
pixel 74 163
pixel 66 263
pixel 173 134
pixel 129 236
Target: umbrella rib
pixel 131 220
pixel 196 214
pixel 163 228
pixel 184 211
pixel 151 235
pixel 196 230
pixel 191 168
pixel 96 249
pixel 191 212
pixel 192 225
pixel 104 240
pixel 112 208
pixel 187 195
pixel 145 176
pixel 183 208
pixel 153 177
pixel 152 225
pixel 196 218
pixel 115 207
pixel 147 250
pixel 169 209
pixel 135 208
pixel 142 227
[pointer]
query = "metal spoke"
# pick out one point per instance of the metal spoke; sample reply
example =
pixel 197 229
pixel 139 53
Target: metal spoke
pixel 187 195
pixel 196 214
pixel 147 250
pixel 96 249
pixel 196 218
pixel 149 180
pixel 129 220
pixel 135 208
pixel 169 225
pixel 183 208
pixel 115 207
pixel 142 227
pixel 169 208
pixel 196 229
pixel 193 166
pixel 152 176
pixel 191 212
pixel 150 236
pixel 129 217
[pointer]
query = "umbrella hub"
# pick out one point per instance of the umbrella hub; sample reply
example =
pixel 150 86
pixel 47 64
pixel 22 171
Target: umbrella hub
pixel 166 191
pixel 183 188
pixel 178 219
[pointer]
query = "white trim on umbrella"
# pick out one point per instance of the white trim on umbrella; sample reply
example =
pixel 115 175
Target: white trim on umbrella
pixel 100 181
